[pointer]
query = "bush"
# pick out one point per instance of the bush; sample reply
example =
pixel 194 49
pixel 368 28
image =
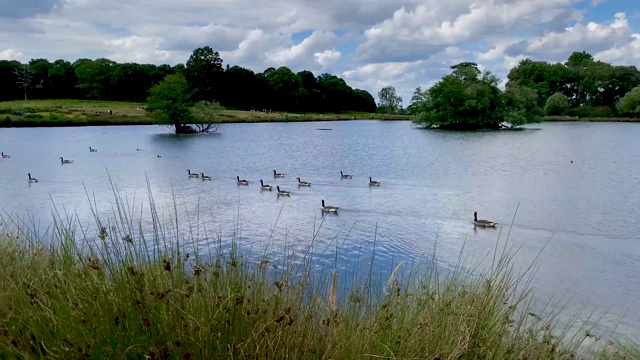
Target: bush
pixel 6 122
pixel 591 111
pixel 34 116
pixel 6 110
pixel 557 104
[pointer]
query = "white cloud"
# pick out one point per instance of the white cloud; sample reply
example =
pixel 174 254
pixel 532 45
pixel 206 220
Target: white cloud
pixel 11 54
pixel 327 57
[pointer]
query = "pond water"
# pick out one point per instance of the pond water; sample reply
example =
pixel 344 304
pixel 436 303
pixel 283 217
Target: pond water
pixel 576 183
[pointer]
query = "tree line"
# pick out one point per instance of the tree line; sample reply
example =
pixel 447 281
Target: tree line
pixel 471 99
pixel 209 80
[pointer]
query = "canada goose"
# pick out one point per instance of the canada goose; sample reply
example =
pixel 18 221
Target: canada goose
pixel 158 156
pixel 242 182
pixel 138 149
pixel 326 208
pixel 277 174
pixel 92 149
pixel 192 175
pixel 5 156
pixel 303 183
pixel 204 177
pixel 283 192
pixel 32 179
pixel 373 183
pixel 344 176
pixel 63 161
pixel 264 187
pixel 483 223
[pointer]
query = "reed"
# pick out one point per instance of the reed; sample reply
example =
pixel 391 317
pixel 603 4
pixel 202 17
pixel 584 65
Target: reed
pixel 117 290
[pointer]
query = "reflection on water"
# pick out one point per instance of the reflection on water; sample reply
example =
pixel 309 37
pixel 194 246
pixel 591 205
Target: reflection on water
pixel 431 183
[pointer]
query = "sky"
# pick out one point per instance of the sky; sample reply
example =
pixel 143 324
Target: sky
pixel 369 43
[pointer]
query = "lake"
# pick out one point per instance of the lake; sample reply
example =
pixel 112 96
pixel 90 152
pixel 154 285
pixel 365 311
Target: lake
pixel 576 183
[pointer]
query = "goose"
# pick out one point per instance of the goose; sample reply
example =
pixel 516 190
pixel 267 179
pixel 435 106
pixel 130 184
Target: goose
pixel 277 174
pixel 345 176
pixel 303 183
pixel 326 208
pixel 192 175
pixel 242 182
pixel 204 177
pixel 264 187
pixel 373 183
pixel 138 149
pixel 5 156
pixel 283 192
pixel 92 149
pixel 482 223
pixel 63 161
pixel 32 179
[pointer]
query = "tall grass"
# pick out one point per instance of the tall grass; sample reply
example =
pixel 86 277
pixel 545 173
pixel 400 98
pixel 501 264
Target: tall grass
pixel 118 291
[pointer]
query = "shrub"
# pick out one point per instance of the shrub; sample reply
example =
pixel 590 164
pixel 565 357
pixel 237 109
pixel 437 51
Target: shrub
pixel 557 104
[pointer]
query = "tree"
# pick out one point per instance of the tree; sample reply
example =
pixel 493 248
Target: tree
pixel 206 115
pixel 418 99
pixel 284 88
pixel 388 100
pixel 62 80
pixel 94 77
pixel 630 103
pixel 167 103
pixel 470 99
pixel 24 79
pixel 521 106
pixel 9 88
pixel 204 72
pixel 557 104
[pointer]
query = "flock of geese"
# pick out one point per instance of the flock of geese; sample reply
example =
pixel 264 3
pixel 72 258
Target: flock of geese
pixel 281 192
pixel 266 187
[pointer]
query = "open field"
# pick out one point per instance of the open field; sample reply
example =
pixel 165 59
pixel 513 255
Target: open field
pixel 91 112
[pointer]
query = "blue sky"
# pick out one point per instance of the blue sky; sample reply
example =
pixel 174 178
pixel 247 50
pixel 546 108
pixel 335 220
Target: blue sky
pixel 370 43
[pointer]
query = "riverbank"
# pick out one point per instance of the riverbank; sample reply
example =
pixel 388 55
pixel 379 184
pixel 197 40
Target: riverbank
pixel 102 295
pixel 57 113
pixel 587 119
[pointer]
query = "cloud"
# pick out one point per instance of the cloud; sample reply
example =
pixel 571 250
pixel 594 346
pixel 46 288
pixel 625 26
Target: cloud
pixel 20 9
pixel 12 54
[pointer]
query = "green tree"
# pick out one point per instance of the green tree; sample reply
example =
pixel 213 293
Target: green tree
pixel 630 103
pixel 418 99
pixel 389 100
pixel 62 80
pixel 521 106
pixel 167 103
pixel 471 99
pixel 8 79
pixel 204 72
pixel 206 116
pixel 94 77
pixel 284 88
pixel 557 104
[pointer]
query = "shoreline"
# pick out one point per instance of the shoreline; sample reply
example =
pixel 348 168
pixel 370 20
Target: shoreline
pixel 587 119
pixel 77 113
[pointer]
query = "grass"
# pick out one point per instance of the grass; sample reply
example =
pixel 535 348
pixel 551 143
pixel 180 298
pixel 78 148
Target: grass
pixel 116 291
pixel 92 112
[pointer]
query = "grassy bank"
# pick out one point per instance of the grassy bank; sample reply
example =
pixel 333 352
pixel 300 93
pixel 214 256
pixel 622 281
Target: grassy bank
pixel 590 119
pixel 95 113
pixel 99 293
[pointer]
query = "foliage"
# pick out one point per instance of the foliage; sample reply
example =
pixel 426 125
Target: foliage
pixel 388 100
pixel 112 291
pixel 521 106
pixel 557 104
pixel 206 116
pixel 167 103
pixel 630 103
pixel 418 99
pixel 465 99
pixel 203 72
